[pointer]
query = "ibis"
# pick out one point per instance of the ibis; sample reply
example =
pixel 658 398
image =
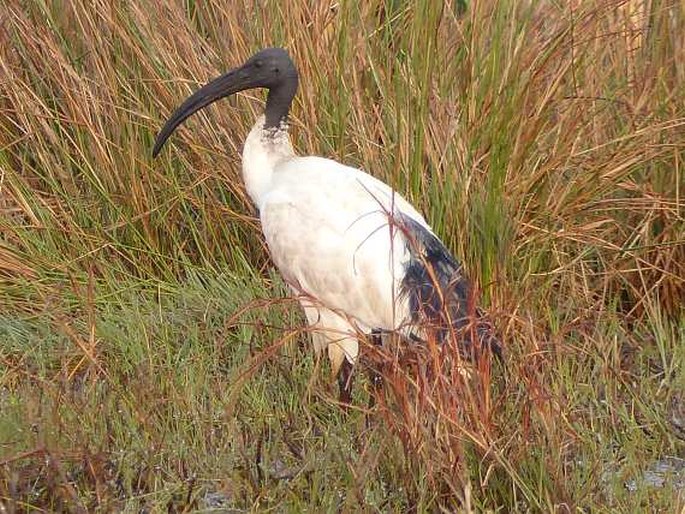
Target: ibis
pixel 361 260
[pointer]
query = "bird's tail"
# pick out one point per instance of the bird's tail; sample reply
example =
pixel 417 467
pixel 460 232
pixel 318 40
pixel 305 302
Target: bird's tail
pixel 441 297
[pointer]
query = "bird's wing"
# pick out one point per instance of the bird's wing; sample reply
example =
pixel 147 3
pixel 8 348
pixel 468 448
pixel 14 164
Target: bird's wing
pixel 351 243
pixel 331 232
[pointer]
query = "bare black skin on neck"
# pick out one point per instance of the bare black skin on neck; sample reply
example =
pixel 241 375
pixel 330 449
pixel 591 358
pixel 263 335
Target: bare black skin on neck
pixel 278 103
pixel 270 68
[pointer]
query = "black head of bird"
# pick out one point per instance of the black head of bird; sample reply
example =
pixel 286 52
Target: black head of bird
pixel 270 68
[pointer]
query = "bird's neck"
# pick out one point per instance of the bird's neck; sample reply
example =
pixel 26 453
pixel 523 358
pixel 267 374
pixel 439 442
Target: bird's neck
pixel 265 147
pixel 278 102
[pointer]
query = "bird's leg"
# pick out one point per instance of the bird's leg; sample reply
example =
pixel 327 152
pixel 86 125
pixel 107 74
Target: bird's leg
pixel 374 376
pixel 345 381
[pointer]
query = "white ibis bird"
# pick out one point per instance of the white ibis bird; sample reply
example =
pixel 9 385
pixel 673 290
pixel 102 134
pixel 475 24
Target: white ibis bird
pixel 360 258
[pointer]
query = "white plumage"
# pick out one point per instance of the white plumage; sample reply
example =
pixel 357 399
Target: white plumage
pixel 330 232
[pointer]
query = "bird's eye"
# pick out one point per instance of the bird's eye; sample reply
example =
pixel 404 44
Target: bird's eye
pixel 258 64
pixel 277 70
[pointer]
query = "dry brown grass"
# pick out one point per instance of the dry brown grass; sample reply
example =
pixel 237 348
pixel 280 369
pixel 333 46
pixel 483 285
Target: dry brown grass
pixel 545 143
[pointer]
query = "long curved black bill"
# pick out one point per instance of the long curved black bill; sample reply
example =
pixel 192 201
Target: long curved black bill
pixel 232 82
